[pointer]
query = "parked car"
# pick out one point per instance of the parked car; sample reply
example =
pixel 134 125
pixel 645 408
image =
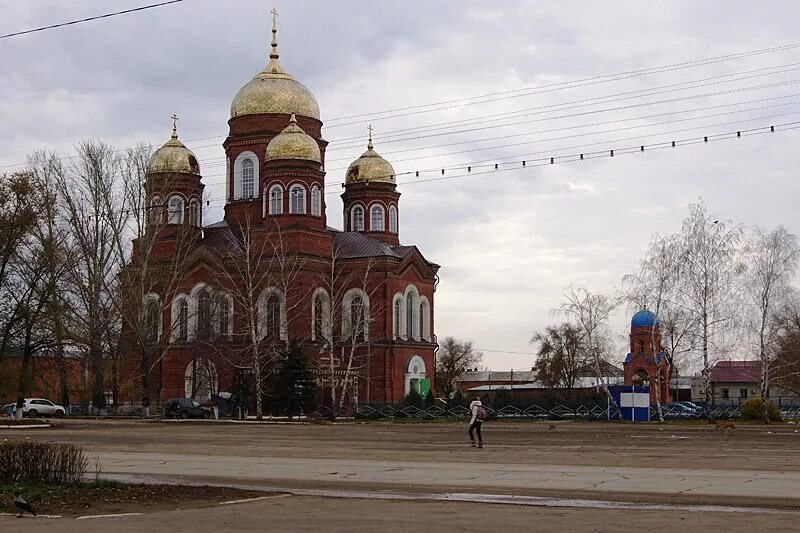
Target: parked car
pixel 34 407
pixel 186 408
pixel 699 410
pixel 678 411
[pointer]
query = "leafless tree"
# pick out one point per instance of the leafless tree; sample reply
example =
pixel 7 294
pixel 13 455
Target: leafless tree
pixel 97 213
pixel 562 355
pixel 144 271
pixel 590 311
pixel 772 260
pixel 712 271
pixel 260 272
pixel 453 359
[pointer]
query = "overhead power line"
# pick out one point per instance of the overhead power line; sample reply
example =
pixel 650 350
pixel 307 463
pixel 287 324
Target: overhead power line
pixel 604 78
pixel 88 19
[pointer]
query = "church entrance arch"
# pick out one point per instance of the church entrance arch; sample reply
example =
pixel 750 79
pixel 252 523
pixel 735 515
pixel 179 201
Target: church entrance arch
pixel 416 376
pixel 200 379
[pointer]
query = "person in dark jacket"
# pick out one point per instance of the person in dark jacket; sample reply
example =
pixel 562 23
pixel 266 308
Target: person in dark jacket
pixel 22 505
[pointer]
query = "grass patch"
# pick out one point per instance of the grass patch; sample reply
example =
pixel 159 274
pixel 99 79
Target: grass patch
pixel 104 496
pixel 23 422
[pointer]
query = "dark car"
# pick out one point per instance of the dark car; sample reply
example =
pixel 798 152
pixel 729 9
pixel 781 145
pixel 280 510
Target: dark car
pixel 186 408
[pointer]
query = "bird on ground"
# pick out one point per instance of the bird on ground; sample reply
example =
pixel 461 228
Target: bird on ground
pixel 22 505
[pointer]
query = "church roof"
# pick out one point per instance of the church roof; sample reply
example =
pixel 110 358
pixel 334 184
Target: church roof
pixel 353 245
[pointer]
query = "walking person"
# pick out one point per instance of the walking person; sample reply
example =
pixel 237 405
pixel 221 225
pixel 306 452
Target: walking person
pixel 478 414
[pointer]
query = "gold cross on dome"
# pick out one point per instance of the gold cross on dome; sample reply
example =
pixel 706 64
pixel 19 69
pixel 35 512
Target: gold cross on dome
pixel 174 118
pixel 370 130
pixel 274 17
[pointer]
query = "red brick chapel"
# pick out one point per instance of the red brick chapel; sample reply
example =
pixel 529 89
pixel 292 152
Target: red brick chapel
pixel 352 291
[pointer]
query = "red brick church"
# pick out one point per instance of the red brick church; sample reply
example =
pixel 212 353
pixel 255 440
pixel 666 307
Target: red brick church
pixel 272 272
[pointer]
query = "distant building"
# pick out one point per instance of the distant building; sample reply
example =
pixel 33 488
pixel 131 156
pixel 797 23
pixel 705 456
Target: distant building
pixel 45 378
pixel 522 384
pixel 732 382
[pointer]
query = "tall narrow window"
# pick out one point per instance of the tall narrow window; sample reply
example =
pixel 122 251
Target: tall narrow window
pixel 316 201
pixel 203 314
pixel 376 218
pixel 358 219
pixel 423 316
pixel 357 318
pixel 393 219
pixel 156 211
pixel 297 203
pixel 398 315
pixel 194 212
pixel 276 200
pixel 183 321
pixel 319 318
pixel 248 178
pixel 410 316
pixel 175 210
pixel 273 318
pixel 223 315
pixel 151 318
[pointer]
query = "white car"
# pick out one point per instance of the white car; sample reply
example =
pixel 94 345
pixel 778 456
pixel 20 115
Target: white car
pixel 34 407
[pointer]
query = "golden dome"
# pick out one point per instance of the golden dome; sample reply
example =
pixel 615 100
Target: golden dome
pixel 293 143
pixel 174 157
pixel 274 90
pixel 370 167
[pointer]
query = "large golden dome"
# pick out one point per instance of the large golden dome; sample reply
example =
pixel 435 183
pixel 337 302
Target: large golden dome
pixel 370 167
pixel 274 90
pixel 174 157
pixel 293 143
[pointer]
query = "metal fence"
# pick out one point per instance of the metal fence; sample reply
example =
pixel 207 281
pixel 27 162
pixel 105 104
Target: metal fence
pixel 582 411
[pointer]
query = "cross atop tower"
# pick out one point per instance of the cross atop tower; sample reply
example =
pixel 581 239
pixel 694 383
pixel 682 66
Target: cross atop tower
pixel 174 118
pixel 274 53
pixel 369 144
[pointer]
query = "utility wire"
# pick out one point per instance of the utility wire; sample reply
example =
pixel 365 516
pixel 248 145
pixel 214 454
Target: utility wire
pixel 88 19
pixel 583 81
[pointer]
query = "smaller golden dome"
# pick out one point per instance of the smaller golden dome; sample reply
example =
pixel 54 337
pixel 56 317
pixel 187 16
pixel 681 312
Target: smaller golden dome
pixel 173 157
pixel 370 167
pixel 293 143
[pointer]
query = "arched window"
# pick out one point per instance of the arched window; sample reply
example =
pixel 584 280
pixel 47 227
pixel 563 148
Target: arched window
pixel 152 315
pixel 156 213
pixel 183 320
pixel 319 318
pixel 276 200
pixel 175 210
pixel 248 178
pixel 316 201
pixel 273 317
pixel 410 316
pixel 223 315
pixel 203 314
pixel 376 218
pixel 297 200
pixel 357 223
pixel 423 320
pixel 194 212
pixel 393 219
pixel 357 318
pixel 200 379
pixel 398 317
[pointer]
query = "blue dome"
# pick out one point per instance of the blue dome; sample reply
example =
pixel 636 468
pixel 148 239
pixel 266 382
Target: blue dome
pixel 643 318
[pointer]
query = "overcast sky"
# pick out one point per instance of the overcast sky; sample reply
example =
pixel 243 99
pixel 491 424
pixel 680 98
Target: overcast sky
pixel 509 242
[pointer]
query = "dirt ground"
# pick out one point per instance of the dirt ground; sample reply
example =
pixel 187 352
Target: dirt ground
pixel 693 445
pixel 315 515
pixel 189 450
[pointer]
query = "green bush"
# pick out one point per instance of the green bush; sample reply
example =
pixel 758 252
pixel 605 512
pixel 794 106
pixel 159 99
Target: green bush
pixel 753 409
pixel 43 462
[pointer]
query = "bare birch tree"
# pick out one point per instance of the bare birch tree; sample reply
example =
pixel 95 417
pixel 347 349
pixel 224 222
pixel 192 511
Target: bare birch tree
pixel 712 271
pixel 772 264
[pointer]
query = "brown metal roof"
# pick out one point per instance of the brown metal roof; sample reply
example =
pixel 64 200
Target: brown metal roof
pixel 736 372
